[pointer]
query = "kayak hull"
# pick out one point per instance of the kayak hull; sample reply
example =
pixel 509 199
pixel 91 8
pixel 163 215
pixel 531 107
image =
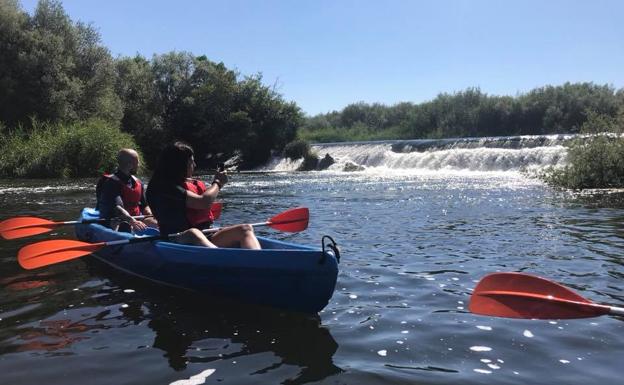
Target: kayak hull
pixel 282 274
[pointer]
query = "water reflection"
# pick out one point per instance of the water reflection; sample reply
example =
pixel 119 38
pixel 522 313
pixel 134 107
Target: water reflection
pixel 190 329
pixel 53 335
pixel 413 255
pixel 187 329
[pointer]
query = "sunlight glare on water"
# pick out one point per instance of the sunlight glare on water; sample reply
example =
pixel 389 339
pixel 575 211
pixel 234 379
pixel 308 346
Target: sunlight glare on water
pixel 414 244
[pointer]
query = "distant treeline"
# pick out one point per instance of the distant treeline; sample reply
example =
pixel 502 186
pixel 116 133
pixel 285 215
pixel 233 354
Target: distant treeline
pixel 470 113
pixel 56 77
pixel 67 106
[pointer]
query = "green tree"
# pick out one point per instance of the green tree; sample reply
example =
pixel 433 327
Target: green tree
pixel 52 69
pixel 95 70
pixel 14 40
pixel 136 86
pixel 545 110
pixel 274 121
pixel 206 116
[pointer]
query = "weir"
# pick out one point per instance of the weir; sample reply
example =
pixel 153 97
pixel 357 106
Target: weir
pixel 490 154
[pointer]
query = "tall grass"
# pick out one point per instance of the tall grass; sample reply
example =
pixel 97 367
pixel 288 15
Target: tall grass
pixel 61 150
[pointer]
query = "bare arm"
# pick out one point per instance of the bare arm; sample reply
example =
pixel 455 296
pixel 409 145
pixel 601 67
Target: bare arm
pixel 125 215
pixel 204 201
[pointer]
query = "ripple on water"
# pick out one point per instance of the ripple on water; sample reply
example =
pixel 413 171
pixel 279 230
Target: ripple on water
pixel 414 246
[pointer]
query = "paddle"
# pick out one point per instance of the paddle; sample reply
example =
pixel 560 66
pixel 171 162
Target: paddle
pixel 21 227
pixel 59 250
pixel 518 295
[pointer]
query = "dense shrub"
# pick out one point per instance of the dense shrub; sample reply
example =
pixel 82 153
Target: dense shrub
pixel 310 161
pixel 469 113
pixel 56 70
pixel 61 151
pixel 296 149
pixel 596 161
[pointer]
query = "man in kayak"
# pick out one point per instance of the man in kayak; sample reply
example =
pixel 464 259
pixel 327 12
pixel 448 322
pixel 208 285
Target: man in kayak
pixel 122 195
pixel 170 197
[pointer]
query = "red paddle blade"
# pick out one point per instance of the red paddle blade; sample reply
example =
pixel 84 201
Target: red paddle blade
pixel 20 227
pixel 517 295
pixel 215 209
pixel 49 252
pixel 293 220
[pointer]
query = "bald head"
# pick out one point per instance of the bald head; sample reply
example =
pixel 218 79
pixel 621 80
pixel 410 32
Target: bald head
pixel 128 161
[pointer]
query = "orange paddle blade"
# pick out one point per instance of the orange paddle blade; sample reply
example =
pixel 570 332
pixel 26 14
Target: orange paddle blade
pixel 215 209
pixel 48 252
pixel 20 227
pixel 293 220
pixel 517 295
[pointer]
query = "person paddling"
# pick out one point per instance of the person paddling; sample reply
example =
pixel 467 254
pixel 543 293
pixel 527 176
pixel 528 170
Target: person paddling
pixel 122 195
pixel 174 201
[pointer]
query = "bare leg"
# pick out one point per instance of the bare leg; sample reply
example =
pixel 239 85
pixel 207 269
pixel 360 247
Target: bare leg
pixel 242 236
pixel 194 237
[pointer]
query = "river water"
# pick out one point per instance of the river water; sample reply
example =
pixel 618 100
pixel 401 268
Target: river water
pixel 415 235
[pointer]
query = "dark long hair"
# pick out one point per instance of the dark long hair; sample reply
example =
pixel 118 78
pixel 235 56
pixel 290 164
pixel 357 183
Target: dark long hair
pixel 172 164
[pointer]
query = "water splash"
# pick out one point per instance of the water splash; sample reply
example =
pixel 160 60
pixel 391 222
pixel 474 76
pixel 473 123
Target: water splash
pixel 451 156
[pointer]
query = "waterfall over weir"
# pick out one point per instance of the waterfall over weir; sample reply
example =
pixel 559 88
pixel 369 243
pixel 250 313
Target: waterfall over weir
pixel 491 154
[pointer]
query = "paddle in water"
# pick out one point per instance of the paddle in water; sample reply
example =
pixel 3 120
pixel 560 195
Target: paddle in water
pixel 519 295
pixel 59 250
pixel 20 227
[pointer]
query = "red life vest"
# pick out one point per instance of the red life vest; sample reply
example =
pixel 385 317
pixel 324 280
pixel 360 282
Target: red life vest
pixel 131 196
pixel 198 217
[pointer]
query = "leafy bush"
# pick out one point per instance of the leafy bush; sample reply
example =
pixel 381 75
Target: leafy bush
pixel 596 161
pixel 296 149
pixel 310 161
pixel 62 151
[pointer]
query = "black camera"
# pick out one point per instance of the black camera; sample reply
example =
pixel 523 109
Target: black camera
pixel 220 166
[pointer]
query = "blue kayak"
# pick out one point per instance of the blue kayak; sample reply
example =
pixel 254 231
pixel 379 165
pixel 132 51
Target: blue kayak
pixel 282 274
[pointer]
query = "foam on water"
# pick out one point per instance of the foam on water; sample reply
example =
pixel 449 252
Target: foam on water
pixel 45 189
pixel 448 156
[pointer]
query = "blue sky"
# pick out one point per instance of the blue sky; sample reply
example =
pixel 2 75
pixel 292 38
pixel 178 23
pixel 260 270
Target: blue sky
pixel 326 54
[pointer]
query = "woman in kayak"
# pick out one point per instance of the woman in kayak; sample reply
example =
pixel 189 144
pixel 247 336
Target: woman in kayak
pixel 170 200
